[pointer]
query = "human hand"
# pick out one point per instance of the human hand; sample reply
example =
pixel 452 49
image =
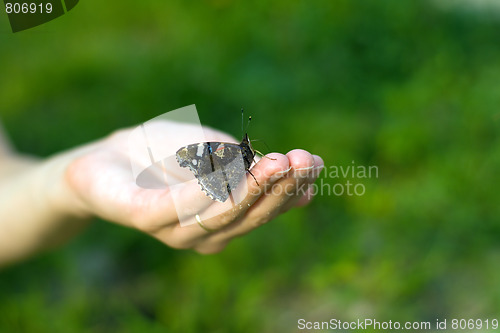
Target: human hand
pixel 101 180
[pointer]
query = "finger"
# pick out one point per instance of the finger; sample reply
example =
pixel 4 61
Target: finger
pixel 210 247
pixel 306 198
pixel 311 190
pixel 293 188
pixel 271 204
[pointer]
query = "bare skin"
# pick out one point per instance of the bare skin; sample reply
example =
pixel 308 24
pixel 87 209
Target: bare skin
pixel 46 202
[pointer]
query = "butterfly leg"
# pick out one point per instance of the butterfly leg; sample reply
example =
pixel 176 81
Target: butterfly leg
pixel 258 152
pixel 254 177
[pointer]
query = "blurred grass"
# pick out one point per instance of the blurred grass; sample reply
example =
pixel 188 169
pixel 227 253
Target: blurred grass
pixel 405 86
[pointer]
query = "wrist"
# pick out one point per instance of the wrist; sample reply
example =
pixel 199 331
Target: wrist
pixel 62 199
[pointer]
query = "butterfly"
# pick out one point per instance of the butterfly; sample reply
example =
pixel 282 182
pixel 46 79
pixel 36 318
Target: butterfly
pixel 218 166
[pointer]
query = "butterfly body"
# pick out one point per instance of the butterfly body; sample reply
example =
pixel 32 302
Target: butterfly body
pixel 218 166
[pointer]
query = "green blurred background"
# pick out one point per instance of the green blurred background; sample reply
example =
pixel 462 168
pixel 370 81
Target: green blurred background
pixel 412 87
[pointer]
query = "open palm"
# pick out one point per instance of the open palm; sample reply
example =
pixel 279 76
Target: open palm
pixel 101 178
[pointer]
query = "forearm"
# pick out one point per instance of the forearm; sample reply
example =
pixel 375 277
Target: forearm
pixel 37 210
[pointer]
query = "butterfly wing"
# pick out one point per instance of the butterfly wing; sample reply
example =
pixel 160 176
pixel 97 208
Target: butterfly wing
pixel 217 166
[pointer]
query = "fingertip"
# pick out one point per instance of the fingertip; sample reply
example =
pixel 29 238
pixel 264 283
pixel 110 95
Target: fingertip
pixel 319 164
pixel 318 161
pixel 304 201
pixel 300 159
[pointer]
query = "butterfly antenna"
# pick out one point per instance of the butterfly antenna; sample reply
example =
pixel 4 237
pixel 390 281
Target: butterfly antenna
pixel 242 133
pixel 248 123
pixel 262 141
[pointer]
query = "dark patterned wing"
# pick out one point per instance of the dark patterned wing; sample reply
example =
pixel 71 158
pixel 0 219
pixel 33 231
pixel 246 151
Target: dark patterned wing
pixel 218 167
